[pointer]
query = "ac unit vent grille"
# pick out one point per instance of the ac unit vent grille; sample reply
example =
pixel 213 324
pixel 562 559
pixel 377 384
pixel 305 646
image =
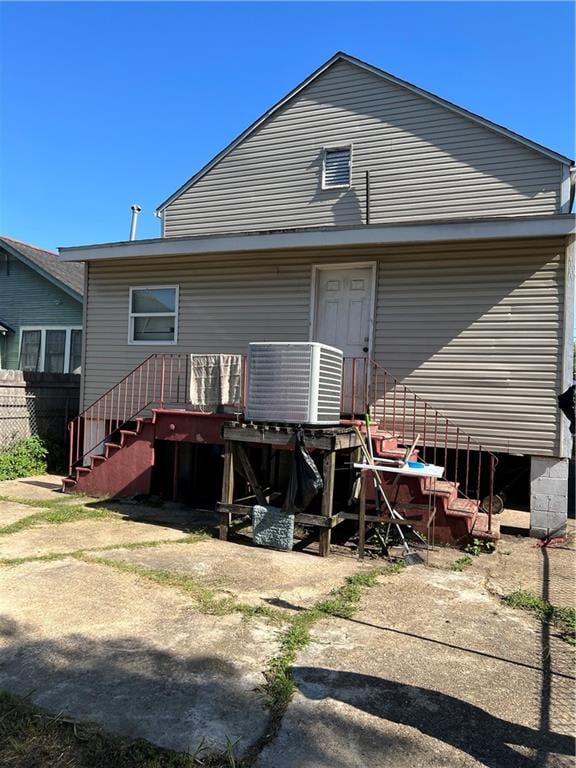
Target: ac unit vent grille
pixel 296 383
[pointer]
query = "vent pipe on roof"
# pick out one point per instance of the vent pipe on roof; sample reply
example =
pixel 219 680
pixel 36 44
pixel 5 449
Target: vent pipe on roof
pixel 135 211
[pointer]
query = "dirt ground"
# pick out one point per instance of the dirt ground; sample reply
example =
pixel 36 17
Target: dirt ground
pixel 136 619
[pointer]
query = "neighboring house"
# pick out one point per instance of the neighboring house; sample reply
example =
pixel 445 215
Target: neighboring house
pixel 40 309
pixel 365 212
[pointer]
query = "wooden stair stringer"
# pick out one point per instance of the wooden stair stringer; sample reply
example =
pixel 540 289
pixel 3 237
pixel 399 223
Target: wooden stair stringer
pixel 124 469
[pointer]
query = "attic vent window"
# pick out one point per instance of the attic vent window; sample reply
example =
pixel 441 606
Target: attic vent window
pixel 337 167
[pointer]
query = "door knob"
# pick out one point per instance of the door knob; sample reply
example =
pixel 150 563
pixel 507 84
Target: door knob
pixel 365 349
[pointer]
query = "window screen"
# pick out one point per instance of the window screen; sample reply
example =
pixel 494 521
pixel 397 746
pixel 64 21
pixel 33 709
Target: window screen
pixel 336 171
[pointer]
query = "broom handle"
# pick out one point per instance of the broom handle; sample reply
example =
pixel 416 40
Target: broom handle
pixel 371 455
pixel 391 510
pixel 378 481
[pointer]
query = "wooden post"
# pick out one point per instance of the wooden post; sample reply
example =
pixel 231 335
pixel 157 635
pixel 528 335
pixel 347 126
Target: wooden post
pixel 327 501
pixel 227 489
pixel 362 516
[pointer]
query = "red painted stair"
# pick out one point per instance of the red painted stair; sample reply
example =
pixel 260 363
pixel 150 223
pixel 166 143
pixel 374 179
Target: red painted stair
pixel 123 469
pixel 456 519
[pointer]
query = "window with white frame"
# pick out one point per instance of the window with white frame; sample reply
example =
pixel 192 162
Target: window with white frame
pixel 53 350
pixel 153 317
pixel 336 167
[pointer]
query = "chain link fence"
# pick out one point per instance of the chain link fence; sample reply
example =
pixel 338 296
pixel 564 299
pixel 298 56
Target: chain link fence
pixel 24 415
pixel 37 404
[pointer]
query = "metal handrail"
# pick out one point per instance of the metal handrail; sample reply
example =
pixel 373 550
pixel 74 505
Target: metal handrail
pixel 125 401
pixel 367 387
pixel 406 415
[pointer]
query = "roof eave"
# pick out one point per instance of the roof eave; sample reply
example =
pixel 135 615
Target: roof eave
pixel 312 238
pixel 42 272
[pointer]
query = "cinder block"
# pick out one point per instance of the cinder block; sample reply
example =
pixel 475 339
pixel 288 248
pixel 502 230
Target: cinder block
pixel 559 469
pixel 539 468
pixel 550 486
pixel 543 533
pixel 538 533
pixel 558 505
pixel 540 519
pixel 539 502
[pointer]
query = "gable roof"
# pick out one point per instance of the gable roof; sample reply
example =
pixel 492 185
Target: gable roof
pixel 68 277
pixel 341 56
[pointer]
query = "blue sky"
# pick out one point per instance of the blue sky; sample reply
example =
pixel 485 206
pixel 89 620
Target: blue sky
pixel 107 104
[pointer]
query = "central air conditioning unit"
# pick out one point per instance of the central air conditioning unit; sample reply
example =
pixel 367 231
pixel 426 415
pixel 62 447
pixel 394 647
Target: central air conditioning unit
pixel 294 383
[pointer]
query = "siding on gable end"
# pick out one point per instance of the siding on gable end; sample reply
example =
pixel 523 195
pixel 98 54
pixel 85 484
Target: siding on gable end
pixel 27 298
pixel 474 328
pixel 425 162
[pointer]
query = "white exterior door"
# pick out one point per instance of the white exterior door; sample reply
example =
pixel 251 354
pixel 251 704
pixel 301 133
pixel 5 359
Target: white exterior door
pixel 343 319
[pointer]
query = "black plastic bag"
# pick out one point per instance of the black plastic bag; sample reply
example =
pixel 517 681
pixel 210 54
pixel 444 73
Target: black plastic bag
pixel 305 480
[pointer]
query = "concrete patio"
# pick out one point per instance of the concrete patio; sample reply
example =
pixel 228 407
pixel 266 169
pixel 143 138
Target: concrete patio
pixel 139 621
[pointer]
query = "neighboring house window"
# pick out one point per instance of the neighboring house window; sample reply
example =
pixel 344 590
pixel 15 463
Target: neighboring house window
pixel 75 350
pixel 30 344
pixel 336 167
pixel 53 350
pixel 153 315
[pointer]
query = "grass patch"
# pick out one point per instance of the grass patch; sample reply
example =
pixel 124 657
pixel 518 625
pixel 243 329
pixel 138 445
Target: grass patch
pixel 191 538
pixel 61 501
pixel 198 591
pixel 562 618
pixel 461 564
pixel 56 515
pixel 33 738
pixel 343 602
pixel 204 595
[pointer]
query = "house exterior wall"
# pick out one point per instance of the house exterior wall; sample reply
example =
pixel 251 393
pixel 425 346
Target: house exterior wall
pixel 475 328
pixel 28 299
pixel 425 162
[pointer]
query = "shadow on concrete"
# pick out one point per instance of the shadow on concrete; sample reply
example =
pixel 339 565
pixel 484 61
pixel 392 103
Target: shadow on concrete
pixel 556 695
pixel 457 723
pixel 39 484
pixel 135 688
pixel 169 515
pixel 515 662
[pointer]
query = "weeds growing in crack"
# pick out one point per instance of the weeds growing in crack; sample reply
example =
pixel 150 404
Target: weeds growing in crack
pixel 343 602
pixel 79 553
pixel 56 515
pixel 562 618
pixel 204 595
pixel 75 500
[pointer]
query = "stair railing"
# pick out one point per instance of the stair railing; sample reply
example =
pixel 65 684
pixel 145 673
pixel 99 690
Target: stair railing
pixel 368 387
pixel 161 380
pixel 157 379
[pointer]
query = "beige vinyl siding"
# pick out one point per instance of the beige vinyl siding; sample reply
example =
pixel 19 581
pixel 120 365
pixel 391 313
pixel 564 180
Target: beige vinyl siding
pixel 425 162
pixel 474 328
